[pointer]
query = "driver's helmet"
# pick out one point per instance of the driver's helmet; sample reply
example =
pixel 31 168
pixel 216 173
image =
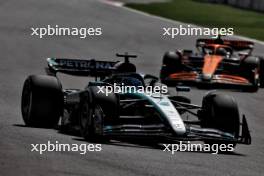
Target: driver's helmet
pixel 125 67
pixel 131 81
pixel 221 51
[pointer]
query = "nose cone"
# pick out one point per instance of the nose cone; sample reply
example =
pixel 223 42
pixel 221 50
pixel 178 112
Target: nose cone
pixel 207 77
pixel 211 63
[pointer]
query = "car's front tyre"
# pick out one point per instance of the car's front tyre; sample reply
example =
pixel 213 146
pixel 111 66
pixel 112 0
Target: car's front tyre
pixel 96 110
pixel 261 72
pixel 220 111
pixel 250 68
pixel 171 63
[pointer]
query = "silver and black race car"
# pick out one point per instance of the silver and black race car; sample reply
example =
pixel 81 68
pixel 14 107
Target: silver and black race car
pixel 98 115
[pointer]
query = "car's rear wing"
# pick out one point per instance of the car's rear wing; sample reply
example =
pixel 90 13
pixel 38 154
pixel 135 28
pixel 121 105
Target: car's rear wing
pixel 80 67
pixel 235 44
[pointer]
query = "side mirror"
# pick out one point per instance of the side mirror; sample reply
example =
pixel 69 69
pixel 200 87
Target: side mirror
pixel 183 89
pixel 153 79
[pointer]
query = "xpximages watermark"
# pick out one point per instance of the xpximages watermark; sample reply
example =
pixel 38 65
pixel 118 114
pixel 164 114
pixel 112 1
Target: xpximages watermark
pixel 60 147
pixel 56 30
pixel 192 147
pixel 148 90
pixel 188 30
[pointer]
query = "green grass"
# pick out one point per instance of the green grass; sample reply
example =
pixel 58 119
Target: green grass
pixel 245 22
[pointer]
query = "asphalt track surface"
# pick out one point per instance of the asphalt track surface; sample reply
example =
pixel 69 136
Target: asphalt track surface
pixel 123 30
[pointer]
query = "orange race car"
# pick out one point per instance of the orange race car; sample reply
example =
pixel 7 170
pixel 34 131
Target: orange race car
pixel 218 63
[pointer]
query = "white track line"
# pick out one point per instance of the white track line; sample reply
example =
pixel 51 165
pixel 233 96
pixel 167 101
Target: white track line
pixel 121 5
pixel 113 3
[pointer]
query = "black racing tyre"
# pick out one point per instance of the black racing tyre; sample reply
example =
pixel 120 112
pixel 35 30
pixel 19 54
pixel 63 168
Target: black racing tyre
pixel 250 63
pixel 171 63
pixel 96 110
pixel 261 72
pixel 42 101
pixel 171 58
pixel 91 121
pixel 109 103
pixel 220 111
pixel 250 67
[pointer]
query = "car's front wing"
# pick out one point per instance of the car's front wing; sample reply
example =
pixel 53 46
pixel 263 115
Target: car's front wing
pixel 162 133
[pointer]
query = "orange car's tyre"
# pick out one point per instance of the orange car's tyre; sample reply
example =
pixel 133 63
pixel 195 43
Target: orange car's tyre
pixel 250 67
pixel 261 73
pixel 171 63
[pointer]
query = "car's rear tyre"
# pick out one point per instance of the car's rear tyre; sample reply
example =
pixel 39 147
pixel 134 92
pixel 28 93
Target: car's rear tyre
pixel 171 63
pixel 96 110
pixel 91 122
pixel 42 101
pixel 220 111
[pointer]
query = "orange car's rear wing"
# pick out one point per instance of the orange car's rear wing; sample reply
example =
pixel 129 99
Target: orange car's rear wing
pixel 237 45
